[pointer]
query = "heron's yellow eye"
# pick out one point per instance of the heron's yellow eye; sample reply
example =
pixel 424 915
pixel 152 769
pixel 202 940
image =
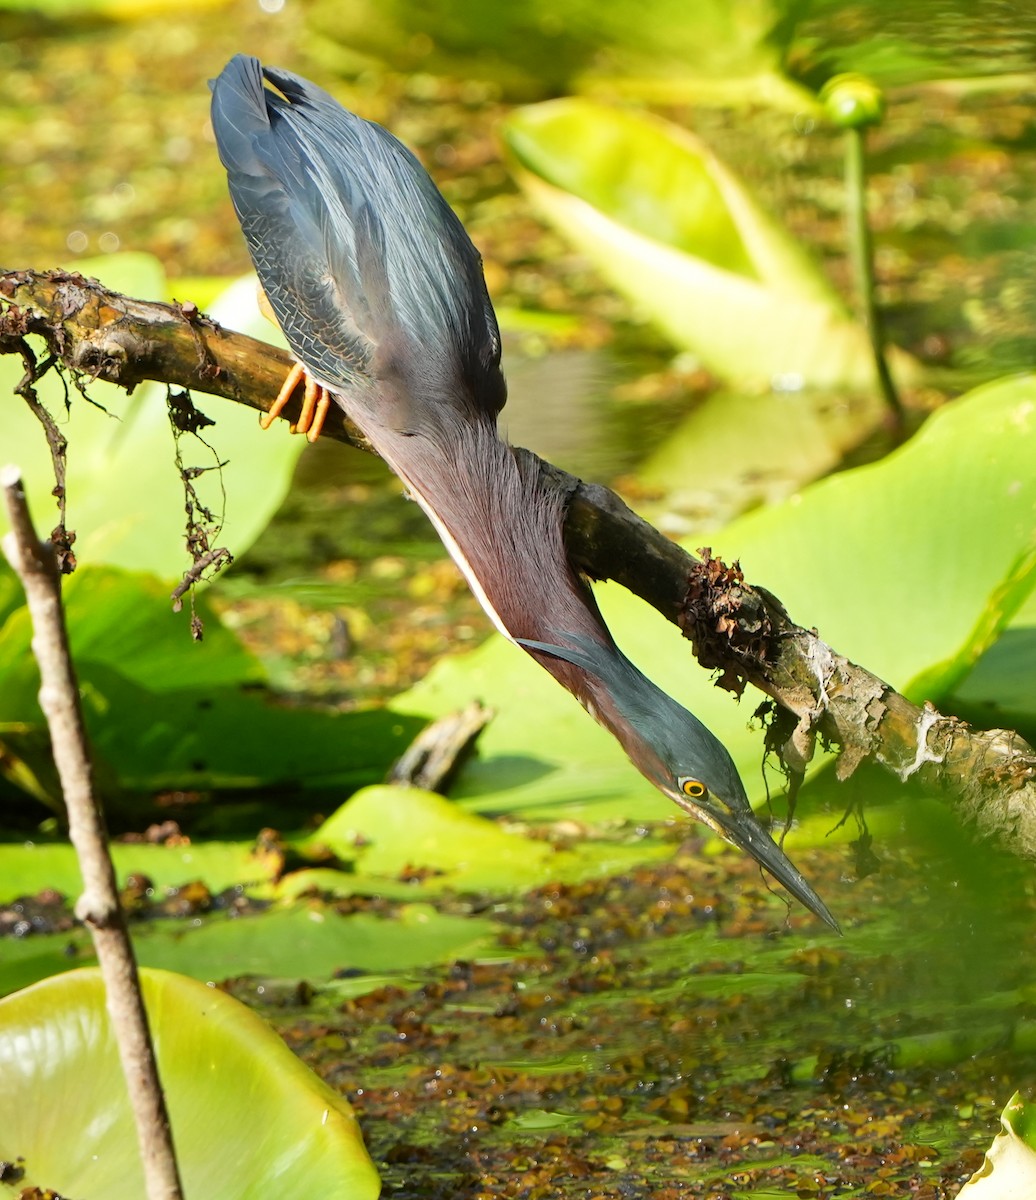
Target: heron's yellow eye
pixel 694 788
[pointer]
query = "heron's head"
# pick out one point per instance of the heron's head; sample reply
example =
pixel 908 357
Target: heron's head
pixel 678 754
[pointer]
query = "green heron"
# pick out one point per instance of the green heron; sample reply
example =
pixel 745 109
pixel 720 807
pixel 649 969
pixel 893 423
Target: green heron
pixel 380 294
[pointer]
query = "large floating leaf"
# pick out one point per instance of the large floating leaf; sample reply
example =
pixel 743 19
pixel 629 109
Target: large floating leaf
pixel 670 226
pixel 227 1076
pixel 28 867
pixel 399 832
pixel 124 620
pixel 125 498
pixel 290 943
pixel 399 828
pixel 911 567
pixel 120 623
pixel 294 943
pixel 165 713
pixel 226 738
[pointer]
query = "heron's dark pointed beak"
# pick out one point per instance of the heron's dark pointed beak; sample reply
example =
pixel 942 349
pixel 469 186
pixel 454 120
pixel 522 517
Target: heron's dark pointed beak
pixel 743 830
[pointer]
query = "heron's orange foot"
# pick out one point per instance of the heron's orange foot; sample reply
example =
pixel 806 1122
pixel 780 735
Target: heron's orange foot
pixel 316 401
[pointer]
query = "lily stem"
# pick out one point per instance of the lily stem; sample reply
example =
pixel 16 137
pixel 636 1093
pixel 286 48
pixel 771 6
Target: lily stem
pixel 861 251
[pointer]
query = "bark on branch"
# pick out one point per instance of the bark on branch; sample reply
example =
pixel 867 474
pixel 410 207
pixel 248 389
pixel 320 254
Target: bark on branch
pixel 744 632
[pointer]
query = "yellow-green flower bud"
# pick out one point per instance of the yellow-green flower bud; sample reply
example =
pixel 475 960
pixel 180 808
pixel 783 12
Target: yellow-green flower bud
pixel 852 101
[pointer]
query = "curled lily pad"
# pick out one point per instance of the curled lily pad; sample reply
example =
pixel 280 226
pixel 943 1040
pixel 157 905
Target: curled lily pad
pixel 669 225
pixel 249 1119
pixel 1008 1171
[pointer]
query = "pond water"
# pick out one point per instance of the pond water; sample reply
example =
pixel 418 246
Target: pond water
pixel 665 1032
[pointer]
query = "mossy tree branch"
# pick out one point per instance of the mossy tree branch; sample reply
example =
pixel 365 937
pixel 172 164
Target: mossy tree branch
pixel 742 631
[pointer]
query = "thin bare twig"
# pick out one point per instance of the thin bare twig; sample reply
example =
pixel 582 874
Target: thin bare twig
pixel 98 907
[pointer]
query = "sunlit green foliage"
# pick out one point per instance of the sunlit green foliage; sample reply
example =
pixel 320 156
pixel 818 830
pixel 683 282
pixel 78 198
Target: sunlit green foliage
pixel 250 1119
pixel 538 45
pixel 672 227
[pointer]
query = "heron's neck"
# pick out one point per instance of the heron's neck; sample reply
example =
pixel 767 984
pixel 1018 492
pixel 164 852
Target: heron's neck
pixel 502 528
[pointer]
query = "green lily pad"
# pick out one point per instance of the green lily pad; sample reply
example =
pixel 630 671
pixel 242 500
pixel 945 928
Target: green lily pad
pixel 124 620
pixel 414 838
pixel 672 228
pixel 912 566
pixel 303 942
pixel 25 963
pixel 218 739
pixel 299 941
pixel 226 1074
pixel 231 739
pixel 398 828
pixel 165 713
pixel 28 867
pixel 539 1120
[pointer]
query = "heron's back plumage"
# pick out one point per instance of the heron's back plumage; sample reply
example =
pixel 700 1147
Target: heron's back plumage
pixel 367 268
pixel 380 294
